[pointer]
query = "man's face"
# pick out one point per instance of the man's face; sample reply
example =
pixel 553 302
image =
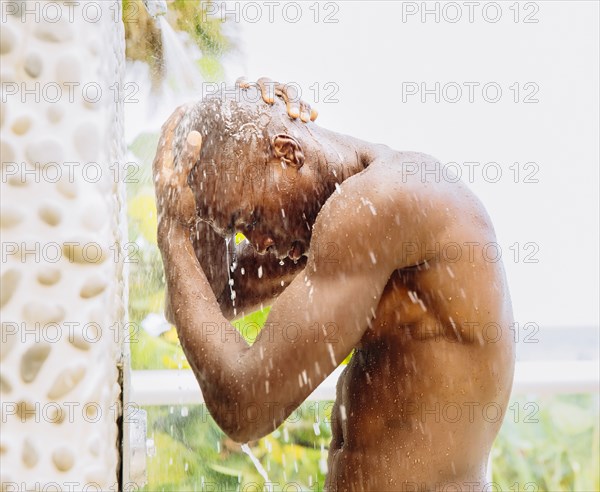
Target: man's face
pixel 272 203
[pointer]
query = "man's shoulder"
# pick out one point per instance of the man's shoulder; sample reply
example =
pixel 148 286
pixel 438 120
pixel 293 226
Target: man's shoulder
pixel 420 181
pixel 411 191
pixel 407 178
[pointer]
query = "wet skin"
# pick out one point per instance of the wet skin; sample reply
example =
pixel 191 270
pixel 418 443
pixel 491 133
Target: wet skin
pixel 423 396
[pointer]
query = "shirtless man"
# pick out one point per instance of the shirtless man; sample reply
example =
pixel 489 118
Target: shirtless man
pixel 355 252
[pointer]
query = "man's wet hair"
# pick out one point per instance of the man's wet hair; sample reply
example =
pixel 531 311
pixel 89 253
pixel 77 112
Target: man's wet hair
pixel 235 120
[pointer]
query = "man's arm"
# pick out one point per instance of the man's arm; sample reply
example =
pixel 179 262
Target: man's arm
pixel 213 252
pixel 312 327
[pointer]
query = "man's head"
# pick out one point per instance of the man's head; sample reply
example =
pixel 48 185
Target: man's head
pixel 260 172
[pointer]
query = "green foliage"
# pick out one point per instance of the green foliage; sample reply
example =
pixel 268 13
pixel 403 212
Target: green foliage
pixel 204 30
pixel 146 278
pixel 191 449
pixel 559 452
pixel 556 447
pixel 211 68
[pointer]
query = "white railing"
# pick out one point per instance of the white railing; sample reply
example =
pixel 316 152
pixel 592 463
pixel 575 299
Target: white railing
pixel 179 387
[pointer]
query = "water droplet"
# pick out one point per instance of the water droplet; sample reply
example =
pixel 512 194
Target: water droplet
pixel 331 354
pixel 316 429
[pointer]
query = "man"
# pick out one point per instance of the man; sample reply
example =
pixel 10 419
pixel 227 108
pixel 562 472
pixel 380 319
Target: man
pixel 355 252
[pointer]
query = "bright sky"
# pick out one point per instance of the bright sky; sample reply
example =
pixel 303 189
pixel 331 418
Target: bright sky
pixel 372 54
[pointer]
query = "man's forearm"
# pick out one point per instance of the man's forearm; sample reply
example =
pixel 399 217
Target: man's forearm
pixel 211 344
pixel 195 308
pixel 211 251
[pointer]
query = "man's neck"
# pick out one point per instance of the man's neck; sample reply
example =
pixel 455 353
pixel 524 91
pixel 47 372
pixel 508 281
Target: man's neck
pixel 344 155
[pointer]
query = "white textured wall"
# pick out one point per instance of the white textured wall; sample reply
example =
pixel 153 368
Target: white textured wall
pixel 62 304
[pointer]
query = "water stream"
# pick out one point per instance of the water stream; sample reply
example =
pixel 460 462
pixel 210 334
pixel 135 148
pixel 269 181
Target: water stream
pixel 263 473
pixel 182 75
pixel 182 82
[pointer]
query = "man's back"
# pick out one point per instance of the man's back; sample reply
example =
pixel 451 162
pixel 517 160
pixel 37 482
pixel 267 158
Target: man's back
pixel 424 394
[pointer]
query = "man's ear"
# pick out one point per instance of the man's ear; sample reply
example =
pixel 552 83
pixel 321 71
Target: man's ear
pixel 287 148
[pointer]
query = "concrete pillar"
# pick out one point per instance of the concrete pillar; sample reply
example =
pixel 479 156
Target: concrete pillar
pixel 62 227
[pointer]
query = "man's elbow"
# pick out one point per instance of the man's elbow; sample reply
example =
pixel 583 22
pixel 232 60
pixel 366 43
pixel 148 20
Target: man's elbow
pixel 243 423
pixel 245 431
pixel 244 434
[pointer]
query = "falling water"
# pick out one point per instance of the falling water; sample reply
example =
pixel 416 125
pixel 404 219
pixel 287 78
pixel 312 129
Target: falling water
pixel 181 71
pixel 263 473
pixel 182 82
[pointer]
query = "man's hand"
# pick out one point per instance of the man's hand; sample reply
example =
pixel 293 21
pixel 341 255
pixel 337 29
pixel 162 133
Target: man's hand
pixel 270 88
pixel 174 199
